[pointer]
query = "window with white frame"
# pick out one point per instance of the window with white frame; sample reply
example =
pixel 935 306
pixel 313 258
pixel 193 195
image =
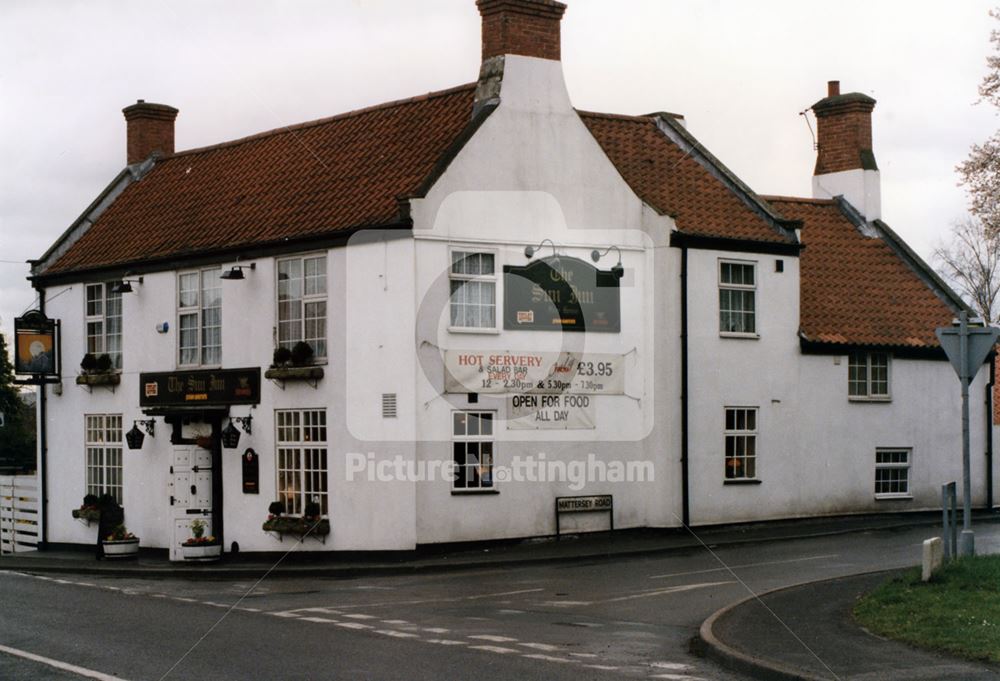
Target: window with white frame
pixel 892 473
pixel 737 297
pixel 741 443
pixel 103 444
pixel 302 303
pixel 103 320
pixel 473 290
pixel 199 318
pixel 473 449
pixel 302 459
pixel 868 375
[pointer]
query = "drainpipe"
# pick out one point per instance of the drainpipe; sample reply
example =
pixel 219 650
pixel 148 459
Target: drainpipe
pixel 989 432
pixel 685 499
pixel 43 446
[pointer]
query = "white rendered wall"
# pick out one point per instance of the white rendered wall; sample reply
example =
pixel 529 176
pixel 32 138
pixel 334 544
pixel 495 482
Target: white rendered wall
pixel 861 188
pixel 533 171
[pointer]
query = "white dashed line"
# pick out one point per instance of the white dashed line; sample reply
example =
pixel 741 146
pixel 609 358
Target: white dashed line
pixel 396 634
pixel 321 620
pixel 354 625
pixel 541 646
pixel 65 666
pixel 396 622
pixel 495 649
pixel 436 630
pixel 675 666
pixel 358 616
pixel 493 638
pixel 446 642
pixel 546 658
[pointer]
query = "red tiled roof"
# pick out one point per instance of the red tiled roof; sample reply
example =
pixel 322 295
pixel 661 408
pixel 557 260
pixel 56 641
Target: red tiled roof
pixel 855 289
pixel 674 182
pixel 312 179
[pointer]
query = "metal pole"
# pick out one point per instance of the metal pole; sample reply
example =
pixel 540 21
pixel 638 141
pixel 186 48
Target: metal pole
pixel 946 538
pixel 968 541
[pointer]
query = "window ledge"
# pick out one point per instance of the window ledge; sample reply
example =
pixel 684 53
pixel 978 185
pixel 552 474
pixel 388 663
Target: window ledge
pixel 473 492
pixel 468 329
pixel 741 481
pixel 745 336
pixel 862 398
pixel 106 378
pixel 893 497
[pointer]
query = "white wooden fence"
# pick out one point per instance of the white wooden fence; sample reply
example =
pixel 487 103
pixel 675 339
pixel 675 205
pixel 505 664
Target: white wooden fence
pixel 18 513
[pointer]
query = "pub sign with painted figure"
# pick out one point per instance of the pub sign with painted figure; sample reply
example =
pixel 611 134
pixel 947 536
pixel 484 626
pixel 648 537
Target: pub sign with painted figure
pixel 35 345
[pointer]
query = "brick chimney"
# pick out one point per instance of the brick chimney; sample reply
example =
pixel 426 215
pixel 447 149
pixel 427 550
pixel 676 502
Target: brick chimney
pixel 845 162
pixel 525 27
pixel 150 128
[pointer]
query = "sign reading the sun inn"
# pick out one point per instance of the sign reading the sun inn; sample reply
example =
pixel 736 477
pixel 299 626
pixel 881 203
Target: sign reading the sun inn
pixel 200 388
pixel 561 293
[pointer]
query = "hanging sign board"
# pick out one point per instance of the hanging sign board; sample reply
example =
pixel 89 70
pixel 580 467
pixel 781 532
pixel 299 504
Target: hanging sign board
pixel 201 388
pixel 550 412
pixel 516 372
pixel 36 350
pixel 561 293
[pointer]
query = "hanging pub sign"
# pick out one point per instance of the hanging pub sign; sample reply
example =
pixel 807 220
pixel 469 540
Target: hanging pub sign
pixel 561 293
pixel 251 472
pixel 203 388
pixel 36 346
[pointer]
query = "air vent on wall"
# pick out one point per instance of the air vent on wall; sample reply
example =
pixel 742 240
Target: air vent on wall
pixel 388 405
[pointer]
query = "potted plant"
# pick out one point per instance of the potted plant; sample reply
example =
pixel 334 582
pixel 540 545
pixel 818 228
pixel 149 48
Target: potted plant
pixel 89 509
pixel 121 543
pixel 97 370
pixel 200 547
pixel 295 364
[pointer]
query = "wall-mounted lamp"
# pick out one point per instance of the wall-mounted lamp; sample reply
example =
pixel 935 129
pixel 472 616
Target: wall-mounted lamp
pixel 230 435
pixel 237 272
pixel 530 251
pixel 125 285
pixel 135 437
pixel 617 270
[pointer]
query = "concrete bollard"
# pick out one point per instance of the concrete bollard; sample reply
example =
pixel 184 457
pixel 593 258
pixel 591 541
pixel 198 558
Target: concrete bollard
pixel 933 557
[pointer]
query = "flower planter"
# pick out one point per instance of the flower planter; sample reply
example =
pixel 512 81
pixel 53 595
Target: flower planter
pixel 299 527
pixel 110 378
pixel 121 548
pixel 281 375
pixel 91 515
pixel 202 552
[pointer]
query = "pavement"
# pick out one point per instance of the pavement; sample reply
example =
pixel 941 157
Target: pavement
pixel 754 637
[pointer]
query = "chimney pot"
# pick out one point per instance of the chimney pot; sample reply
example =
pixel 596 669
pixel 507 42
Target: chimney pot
pixel 524 27
pixel 833 88
pixel 150 128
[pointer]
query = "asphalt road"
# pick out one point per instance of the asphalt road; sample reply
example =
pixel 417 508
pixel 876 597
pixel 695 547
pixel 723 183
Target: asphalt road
pixel 608 619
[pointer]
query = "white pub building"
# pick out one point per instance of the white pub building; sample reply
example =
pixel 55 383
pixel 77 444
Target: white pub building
pixel 430 319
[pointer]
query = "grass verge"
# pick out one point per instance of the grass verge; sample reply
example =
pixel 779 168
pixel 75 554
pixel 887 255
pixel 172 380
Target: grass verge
pixel 957 612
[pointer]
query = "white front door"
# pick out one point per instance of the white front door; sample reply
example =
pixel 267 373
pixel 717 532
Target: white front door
pixel 190 490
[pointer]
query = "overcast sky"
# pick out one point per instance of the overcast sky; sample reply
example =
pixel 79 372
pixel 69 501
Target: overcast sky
pixel 739 71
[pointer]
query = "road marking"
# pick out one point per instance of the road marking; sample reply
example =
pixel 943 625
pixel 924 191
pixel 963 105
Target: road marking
pixel 677 677
pixel 547 658
pixel 353 625
pixel 675 666
pixel 541 646
pixel 436 630
pixel 191 600
pixel 494 639
pixel 396 622
pixel 564 604
pixel 359 616
pixel 495 649
pixel 583 655
pixel 215 605
pixel 663 592
pixel 285 613
pixel 319 619
pixel 397 634
pixel 746 565
pixel 65 666
pixel 603 667
pixel 446 642
pixel 440 600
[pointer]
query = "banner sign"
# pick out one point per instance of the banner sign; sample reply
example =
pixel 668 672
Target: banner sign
pixel 550 412
pixel 561 293
pixel 518 372
pixel 36 352
pixel 201 388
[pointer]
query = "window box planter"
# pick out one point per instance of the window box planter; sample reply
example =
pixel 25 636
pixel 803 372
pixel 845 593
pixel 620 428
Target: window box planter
pixel 201 552
pixel 121 548
pixel 109 379
pixel 281 375
pixel 299 527
pixel 91 515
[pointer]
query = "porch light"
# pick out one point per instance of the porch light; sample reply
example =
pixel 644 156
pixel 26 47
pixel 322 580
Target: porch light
pixel 125 285
pixel 136 437
pixel 230 436
pixel 529 251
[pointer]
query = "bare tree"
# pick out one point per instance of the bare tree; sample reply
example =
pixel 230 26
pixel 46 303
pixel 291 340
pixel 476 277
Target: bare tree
pixel 971 261
pixel 980 172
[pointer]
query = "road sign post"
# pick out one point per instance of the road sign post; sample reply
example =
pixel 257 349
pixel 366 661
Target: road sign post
pixel 967 348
